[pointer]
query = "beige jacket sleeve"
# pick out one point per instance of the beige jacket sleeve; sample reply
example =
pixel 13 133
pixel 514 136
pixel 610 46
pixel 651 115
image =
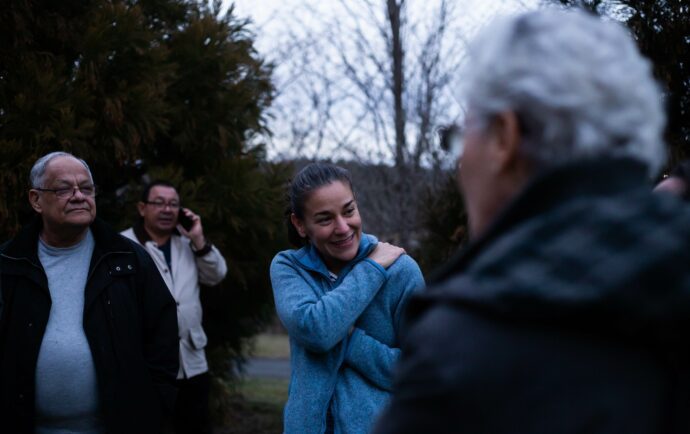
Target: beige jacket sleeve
pixel 212 267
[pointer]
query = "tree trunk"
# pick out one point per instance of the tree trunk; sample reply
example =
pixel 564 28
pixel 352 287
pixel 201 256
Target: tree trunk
pixel 398 85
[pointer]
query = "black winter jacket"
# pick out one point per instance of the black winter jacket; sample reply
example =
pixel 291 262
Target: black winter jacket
pixel 130 322
pixel 570 315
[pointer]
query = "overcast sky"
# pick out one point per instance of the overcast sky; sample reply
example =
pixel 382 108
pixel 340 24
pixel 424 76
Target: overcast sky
pixel 273 19
pixel 270 15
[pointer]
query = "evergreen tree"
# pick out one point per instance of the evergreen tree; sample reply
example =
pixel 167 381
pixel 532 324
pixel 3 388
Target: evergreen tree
pixel 167 87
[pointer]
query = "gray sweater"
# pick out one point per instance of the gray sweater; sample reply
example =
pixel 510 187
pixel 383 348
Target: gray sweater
pixel 66 386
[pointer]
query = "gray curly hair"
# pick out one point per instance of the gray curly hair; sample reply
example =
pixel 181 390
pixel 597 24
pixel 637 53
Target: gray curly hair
pixel 578 85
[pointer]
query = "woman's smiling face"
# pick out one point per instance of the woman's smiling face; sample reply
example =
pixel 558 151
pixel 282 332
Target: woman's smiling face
pixel 332 224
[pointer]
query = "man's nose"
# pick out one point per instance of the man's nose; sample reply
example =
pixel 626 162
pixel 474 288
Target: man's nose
pixel 77 194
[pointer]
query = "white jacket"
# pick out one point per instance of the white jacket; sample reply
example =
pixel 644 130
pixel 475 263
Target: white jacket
pixel 188 270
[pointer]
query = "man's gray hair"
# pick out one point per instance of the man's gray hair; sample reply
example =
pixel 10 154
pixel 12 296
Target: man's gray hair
pixel 578 85
pixel 38 171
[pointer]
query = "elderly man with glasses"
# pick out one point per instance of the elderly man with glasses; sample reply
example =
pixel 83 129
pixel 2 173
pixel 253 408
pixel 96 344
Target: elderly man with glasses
pixel 88 334
pixel 569 310
pixel 174 237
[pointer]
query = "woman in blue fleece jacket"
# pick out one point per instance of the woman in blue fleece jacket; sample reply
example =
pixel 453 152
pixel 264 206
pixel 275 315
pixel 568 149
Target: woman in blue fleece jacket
pixel 341 297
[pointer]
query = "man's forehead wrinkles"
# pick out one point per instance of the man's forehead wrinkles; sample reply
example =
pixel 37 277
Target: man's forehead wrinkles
pixel 70 180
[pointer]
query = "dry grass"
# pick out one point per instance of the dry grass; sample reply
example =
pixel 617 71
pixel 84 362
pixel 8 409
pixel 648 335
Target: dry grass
pixel 256 404
pixel 271 346
pixel 252 418
pixel 268 391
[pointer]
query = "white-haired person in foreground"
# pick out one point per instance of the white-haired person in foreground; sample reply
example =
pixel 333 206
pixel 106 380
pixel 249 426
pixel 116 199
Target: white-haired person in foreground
pixel 569 311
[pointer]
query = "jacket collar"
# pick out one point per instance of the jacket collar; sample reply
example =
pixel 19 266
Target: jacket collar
pixel 140 232
pixel 308 257
pixel 605 176
pixel 25 244
pixel 142 235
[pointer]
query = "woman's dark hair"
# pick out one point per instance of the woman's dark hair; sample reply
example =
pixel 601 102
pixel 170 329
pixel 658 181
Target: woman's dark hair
pixel 311 177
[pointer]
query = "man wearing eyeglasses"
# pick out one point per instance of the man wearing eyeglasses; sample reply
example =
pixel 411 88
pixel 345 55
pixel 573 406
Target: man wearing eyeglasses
pixel 88 336
pixel 185 259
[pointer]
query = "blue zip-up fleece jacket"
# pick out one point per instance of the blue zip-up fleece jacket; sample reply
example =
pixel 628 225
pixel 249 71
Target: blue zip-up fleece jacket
pixel 351 372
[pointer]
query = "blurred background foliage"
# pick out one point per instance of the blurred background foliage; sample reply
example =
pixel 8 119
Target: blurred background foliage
pixel 145 89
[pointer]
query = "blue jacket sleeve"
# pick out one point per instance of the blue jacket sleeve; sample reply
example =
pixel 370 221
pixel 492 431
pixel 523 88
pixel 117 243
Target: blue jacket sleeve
pixel 371 358
pixel 318 322
pixel 374 359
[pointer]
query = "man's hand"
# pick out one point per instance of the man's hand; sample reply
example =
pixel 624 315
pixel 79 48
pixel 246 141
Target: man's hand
pixel 196 232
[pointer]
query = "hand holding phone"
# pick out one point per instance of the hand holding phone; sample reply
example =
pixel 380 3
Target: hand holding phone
pixel 184 221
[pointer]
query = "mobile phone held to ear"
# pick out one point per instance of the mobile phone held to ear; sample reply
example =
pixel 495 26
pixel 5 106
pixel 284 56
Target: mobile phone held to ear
pixel 185 221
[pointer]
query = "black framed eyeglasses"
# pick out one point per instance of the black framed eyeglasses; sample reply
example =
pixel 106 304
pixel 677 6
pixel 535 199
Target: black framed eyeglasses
pixel 88 190
pixel 160 204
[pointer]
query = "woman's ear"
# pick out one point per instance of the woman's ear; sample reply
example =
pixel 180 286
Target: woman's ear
pixel 299 225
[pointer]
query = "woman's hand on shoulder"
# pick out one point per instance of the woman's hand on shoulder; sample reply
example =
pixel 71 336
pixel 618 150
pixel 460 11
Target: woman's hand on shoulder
pixel 385 254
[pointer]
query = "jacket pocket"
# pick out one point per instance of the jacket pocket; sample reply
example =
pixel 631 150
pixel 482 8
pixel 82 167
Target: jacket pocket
pixel 197 337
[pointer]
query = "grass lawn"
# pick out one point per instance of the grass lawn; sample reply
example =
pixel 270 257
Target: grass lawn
pixel 271 346
pixel 257 405
pixel 269 391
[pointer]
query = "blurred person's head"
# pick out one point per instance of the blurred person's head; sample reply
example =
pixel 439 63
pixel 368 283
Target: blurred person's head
pixel 323 211
pixel 546 88
pixel 63 194
pixel 677 182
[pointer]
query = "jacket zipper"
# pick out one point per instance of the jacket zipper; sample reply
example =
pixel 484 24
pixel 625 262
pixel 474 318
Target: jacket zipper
pixel 111 325
pixel 110 316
